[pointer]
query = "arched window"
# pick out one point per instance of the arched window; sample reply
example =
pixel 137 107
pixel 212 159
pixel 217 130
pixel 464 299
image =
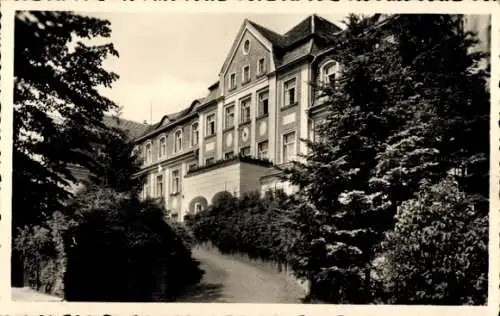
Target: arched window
pixel 135 151
pixel 149 152
pixel 194 134
pixel 178 141
pixel 162 150
pixel 329 72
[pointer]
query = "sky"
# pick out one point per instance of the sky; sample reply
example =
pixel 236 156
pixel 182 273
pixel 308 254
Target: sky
pixel 169 59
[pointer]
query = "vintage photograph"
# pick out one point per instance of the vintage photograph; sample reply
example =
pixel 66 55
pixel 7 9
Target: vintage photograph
pixel 251 158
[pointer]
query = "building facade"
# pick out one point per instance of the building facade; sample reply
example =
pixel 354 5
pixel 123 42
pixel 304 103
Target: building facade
pixel 251 120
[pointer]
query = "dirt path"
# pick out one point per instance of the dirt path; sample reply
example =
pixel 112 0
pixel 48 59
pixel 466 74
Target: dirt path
pixel 30 295
pixel 227 280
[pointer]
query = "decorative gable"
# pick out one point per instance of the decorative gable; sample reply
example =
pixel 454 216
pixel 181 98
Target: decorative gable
pixel 250 57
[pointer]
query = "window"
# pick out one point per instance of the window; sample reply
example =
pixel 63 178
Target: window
pixel 229 117
pixel 264 103
pixel 312 130
pixel 261 66
pixel 246 74
pixel 195 135
pixel 245 111
pixel 245 151
pixel 246 47
pixel 146 189
pixel 198 207
pixel 178 141
pixel 149 153
pixel 210 124
pixel 232 81
pixel 262 150
pixel 176 181
pixel 288 147
pixel 209 161
pixel 228 155
pixel 329 72
pixel 135 151
pixel 159 186
pixel 290 91
pixel 162 152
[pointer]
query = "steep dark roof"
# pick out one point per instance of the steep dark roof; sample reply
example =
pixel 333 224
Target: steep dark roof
pixel 134 129
pixel 312 25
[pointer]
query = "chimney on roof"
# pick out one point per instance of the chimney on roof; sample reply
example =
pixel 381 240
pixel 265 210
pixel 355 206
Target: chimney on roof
pixel 145 122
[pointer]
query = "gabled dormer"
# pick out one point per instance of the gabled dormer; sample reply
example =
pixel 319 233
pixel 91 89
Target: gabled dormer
pixel 250 58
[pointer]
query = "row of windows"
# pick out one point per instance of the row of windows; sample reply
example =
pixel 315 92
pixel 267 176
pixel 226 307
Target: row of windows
pixel 246 74
pixel 288 150
pixel 159 191
pixel 288 154
pixel 178 143
pixel 289 98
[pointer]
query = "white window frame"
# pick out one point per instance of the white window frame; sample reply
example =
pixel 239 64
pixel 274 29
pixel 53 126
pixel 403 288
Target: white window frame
pixel 242 102
pixel 259 100
pixel 243 148
pixel 195 138
pixel 198 207
pixel 243 74
pixel 146 190
pixel 286 92
pixel 324 77
pixel 148 156
pixel 261 69
pixel 246 50
pixel 162 193
pixel 259 150
pixel 162 152
pixel 229 106
pixel 289 145
pixel 232 81
pixel 178 148
pixel 176 181
pixel 207 124
pixel 135 151
pixel 212 159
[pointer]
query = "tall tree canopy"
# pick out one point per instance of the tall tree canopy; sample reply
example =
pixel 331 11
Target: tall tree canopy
pixel 410 105
pixel 58 109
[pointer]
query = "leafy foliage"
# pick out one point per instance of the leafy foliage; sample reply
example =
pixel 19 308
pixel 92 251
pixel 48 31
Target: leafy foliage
pixel 141 257
pixel 438 250
pixel 403 112
pixel 258 227
pixel 42 250
pixel 57 108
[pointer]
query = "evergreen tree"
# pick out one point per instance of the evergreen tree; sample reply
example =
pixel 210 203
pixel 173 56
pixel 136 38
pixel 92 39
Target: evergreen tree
pixel 336 214
pixel 117 165
pixel 407 108
pixel 446 116
pixel 58 110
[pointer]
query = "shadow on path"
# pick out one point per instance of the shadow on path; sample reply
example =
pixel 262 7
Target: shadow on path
pixel 231 281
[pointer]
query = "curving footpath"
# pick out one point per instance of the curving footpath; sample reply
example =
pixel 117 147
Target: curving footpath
pixel 228 280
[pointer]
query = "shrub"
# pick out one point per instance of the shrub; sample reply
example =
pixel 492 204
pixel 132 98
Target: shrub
pixel 124 250
pixel 251 225
pixel 42 255
pixel 437 252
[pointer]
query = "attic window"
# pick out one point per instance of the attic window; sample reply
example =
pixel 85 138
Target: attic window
pixel 329 72
pixel 246 47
